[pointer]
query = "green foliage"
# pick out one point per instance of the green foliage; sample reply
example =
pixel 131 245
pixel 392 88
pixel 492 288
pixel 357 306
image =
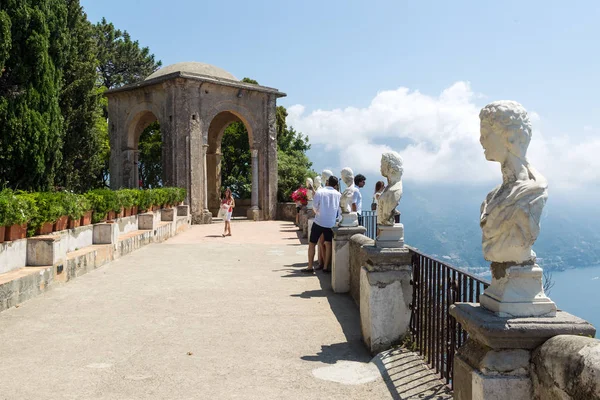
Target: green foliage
pixel 102 201
pixel 150 159
pixel 127 197
pixel 31 124
pixel 236 168
pixel 121 60
pixel 75 205
pixel 50 206
pixel 81 107
pixel 15 208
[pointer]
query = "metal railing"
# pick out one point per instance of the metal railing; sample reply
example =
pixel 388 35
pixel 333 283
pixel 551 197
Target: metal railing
pixel 368 219
pixel 435 333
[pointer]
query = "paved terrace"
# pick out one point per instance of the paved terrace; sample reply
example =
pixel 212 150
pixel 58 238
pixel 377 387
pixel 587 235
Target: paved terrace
pixel 202 317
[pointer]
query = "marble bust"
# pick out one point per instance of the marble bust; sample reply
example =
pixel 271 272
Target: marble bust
pixel 310 190
pixel 348 195
pixel 325 174
pixel 317 182
pixel 510 214
pixel 392 169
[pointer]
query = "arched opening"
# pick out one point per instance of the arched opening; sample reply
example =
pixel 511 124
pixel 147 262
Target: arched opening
pixel 142 166
pixel 229 161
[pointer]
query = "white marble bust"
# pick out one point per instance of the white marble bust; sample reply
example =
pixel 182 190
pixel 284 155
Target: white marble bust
pixel 510 214
pixel 392 169
pixel 348 195
pixel 310 190
pixel 325 174
pixel 317 182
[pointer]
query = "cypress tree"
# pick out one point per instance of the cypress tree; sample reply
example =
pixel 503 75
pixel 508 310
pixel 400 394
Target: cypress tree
pixel 32 58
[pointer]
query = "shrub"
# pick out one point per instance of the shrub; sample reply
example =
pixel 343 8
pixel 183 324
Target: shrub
pixel 102 201
pixel 126 197
pixel 75 205
pixel 15 208
pixel 50 207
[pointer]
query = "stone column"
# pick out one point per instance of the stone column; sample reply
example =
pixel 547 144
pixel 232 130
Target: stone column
pixel 385 296
pixel 495 362
pixel 271 200
pixel 254 210
pixel 206 214
pixel 340 257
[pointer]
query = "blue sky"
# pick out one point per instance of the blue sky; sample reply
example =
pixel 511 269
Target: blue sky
pixel 335 59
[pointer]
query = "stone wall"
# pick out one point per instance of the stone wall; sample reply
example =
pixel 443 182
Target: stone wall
pixel 357 260
pixel 286 212
pixel 567 367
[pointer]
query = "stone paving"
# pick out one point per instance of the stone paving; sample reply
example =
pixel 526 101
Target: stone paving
pixel 202 317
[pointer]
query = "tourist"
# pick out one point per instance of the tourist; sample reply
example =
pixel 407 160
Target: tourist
pixel 228 204
pixel 325 204
pixel 379 186
pixel 359 182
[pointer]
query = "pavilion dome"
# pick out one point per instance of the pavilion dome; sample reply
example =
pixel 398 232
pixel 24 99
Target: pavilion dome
pixel 197 68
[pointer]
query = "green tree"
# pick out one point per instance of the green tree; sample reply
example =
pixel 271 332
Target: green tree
pixel 32 56
pixel 81 107
pixel 293 163
pixel 121 60
pixel 150 164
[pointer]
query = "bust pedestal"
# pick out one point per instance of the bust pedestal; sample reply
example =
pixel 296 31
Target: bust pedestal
pixel 495 361
pixel 340 257
pixel 516 291
pixel 309 204
pixel 390 236
pixel 349 219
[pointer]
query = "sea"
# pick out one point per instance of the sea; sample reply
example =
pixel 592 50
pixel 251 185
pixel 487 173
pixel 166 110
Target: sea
pixel 577 291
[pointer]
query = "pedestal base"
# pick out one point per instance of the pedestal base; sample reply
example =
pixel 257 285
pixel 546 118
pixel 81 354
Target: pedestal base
pixel 349 219
pixel 384 306
pixel 254 214
pixel 340 257
pixel 516 291
pixel 390 236
pixel 495 362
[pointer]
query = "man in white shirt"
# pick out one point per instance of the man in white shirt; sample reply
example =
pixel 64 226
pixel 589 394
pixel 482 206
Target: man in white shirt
pixel 325 205
pixel 359 182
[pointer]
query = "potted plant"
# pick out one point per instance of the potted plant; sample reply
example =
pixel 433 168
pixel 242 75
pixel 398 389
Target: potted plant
pixel 125 198
pixel 50 215
pixel 180 195
pixel 75 206
pixel 145 200
pixel 15 211
pixel 99 205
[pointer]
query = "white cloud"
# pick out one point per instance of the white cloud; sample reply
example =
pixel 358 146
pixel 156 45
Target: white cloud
pixel 438 137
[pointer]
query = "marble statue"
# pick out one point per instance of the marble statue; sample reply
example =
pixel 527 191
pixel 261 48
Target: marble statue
pixel 349 217
pixel 317 182
pixel 392 169
pixel 325 174
pixel 310 189
pixel 510 214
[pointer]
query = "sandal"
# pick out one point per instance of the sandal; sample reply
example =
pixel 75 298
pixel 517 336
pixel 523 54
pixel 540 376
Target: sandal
pixel 307 271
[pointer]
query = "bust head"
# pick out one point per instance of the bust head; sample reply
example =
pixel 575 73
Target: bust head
pixel 309 183
pixel 505 129
pixel 326 174
pixel 348 176
pixel 317 182
pixel 391 164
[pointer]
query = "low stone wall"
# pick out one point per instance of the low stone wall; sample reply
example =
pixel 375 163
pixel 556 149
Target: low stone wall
pixel 286 212
pixel 13 255
pixel 357 260
pixel 567 367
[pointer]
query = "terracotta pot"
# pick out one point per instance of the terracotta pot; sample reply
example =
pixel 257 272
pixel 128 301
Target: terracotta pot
pixel 15 232
pixel 2 230
pixel 120 213
pixel 110 216
pixel 61 223
pixel 134 210
pixel 74 223
pixel 86 219
pixel 45 229
pixel 127 211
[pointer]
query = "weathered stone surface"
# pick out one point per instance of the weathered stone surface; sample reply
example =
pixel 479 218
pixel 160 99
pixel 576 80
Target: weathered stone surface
pixel 193 109
pixel 168 214
pixel 358 258
pixel 340 273
pixel 516 333
pixel 385 259
pixel 286 211
pixel 567 367
pixel 384 307
pixel 147 221
pixel 392 169
pixel 45 250
pixel 13 255
pixel 106 234
pixel 183 210
pixel 390 236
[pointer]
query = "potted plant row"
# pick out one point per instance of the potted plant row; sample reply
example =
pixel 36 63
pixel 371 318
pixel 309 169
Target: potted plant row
pixel 15 211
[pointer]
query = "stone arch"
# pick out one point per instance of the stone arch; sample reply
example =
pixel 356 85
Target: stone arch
pixel 218 123
pixel 139 119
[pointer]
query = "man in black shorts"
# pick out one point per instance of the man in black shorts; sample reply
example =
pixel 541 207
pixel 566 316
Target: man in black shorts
pixel 326 204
